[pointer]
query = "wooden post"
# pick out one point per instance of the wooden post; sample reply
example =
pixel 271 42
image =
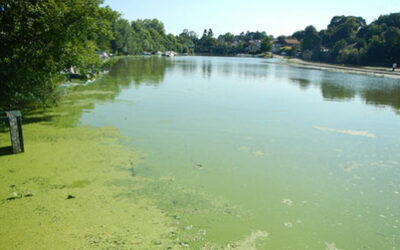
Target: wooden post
pixel 15 122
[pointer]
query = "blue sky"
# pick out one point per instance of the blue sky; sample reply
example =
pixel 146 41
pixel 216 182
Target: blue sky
pixel 274 17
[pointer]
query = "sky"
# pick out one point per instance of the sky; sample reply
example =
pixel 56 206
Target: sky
pixel 274 17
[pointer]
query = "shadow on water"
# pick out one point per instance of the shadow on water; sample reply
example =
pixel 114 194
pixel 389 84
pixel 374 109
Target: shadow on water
pixel 3 127
pixel 42 118
pixel 5 151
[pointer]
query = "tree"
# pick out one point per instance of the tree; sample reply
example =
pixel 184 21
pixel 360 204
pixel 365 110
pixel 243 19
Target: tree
pixel 345 28
pixel 228 37
pixel 193 35
pixel 348 39
pixel 349 56
pixel 108 18
pixel 376 50
pixel 258 35
pixel 299 35
pixel 392 44
pixel 337 21
pixel 266 44
pixel 122 37
pixel 185 33
pixel 40 39
pixel 311 40
pixel 281 39
pixel 210 33
pixel 391 20
pixel 339 45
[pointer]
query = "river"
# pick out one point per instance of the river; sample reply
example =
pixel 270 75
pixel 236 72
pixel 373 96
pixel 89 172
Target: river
pixel 256 153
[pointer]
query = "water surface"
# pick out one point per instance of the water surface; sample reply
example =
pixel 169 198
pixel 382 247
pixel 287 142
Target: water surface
pixel 248 150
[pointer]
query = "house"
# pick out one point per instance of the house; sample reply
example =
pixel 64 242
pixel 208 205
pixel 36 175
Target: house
pixel 307 55
pixel 254 46
pixel 235 43
pixel 324 49
pixel 325 52
pixel 351 46
pixel 275 46
pixel 287 42
pixel 291 42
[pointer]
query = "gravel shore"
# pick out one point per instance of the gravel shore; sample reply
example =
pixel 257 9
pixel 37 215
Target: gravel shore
pixel 372 71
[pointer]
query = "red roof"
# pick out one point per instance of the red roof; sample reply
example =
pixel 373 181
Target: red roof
pixel 292 41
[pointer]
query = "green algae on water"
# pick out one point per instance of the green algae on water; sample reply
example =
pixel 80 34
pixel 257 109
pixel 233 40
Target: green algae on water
pixel 73 188
pixel 74 162
pixel 214 153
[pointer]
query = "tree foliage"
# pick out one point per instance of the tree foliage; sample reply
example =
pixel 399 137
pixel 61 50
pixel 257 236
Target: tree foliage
pixel 311 40
pixel 266 44
pixel 41 38
pixel 147 35
pixel 350 40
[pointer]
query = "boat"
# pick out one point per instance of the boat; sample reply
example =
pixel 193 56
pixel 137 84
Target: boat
pixel 169 54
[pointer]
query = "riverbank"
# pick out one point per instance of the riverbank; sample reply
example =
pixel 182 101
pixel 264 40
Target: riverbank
pixel 364 70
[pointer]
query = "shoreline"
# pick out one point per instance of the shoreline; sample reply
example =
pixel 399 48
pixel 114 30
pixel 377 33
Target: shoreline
pixel 296 62
pixel 361 70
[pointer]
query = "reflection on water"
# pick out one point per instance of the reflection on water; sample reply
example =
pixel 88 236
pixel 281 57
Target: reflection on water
pixel 336 92
pixel 148 70
pixel 244 152
pixel 334 86
pixel 135 71
pixel 303 83
pixel 209 66
pixel 374 90
pixel 388 96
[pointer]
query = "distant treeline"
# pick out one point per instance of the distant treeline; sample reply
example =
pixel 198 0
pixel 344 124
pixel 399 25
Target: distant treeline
pixel 44 40
pixel 347 39
pixel 230 44
pixel 350 40
pixel 147 35
pixel 131 38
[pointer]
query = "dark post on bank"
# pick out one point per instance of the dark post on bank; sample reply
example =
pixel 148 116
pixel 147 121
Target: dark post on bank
pixel 14 120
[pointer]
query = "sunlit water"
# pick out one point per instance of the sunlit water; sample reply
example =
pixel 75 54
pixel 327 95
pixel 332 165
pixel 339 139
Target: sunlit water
pixel 248 149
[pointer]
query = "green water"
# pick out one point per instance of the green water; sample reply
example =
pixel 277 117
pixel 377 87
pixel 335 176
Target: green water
pixel 254 153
